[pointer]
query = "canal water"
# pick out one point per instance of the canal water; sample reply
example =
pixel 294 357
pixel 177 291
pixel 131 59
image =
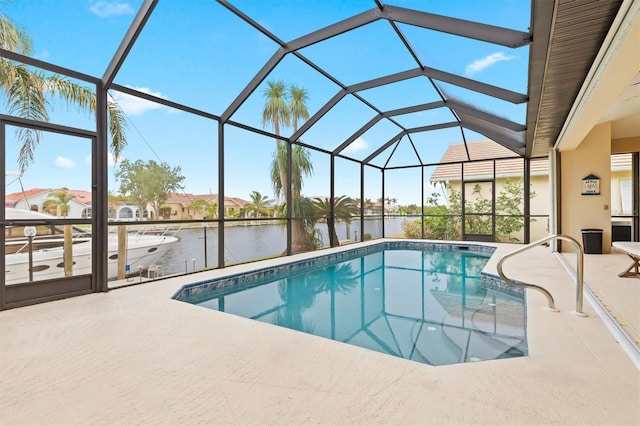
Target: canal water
pixel 244 243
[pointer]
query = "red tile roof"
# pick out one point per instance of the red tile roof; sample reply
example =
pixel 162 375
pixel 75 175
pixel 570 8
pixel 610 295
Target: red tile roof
pixel 15 196
pixel 80 196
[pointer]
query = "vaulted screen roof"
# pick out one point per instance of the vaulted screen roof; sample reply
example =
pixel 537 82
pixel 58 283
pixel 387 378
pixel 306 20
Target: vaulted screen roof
pixel 418 90
pixel 409 76
pixel 463 115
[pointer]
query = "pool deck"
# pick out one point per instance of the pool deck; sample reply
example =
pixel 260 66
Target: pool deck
pixel 135 356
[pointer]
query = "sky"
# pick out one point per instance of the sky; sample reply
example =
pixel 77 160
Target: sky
pixel 199 54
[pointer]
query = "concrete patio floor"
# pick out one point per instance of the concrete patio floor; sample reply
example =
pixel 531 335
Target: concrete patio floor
pixel 135 356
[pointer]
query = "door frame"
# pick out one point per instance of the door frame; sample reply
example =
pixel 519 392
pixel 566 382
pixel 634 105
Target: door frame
pixel 28 293
pixel 479 237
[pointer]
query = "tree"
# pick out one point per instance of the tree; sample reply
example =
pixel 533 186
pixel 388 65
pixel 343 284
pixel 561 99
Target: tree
pixel 275 110
pixel 148 183
pixel 27 93
pixel 440 222
pixel 509 218
pixel 344 208
pixel 411 209
pixel 302 223
pixel 207 209
pixel 278 112
pixel 211 209
pixel 477 212
pixel 368 203
pixel 113 201
pixel 445 222
pixel 297 105
pixel 258 205
pixel 61 200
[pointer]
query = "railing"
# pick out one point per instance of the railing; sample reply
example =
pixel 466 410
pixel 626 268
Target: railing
pixel 579 272
pixel 40 242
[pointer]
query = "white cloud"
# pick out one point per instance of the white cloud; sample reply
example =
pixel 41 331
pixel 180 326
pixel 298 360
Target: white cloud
pixel 132 105
pixel 107 8
pixel 480 64
pixel 64 163
pixel 357 145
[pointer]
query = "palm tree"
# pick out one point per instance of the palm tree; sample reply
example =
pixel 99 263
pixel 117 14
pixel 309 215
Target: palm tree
pixel 211 209
pixel 258 205
pixel 344 208
pixel 206 208
pixel 61 199
pixel 303 223
pixel 113 201
pixel 391 202
pixel 368 203
pixel 298 105
pixel 277 112
pixel 27 94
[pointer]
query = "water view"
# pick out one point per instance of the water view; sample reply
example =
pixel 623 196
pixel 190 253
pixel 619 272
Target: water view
pixel 245 243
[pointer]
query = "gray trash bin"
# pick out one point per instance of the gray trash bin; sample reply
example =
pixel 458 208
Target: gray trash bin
pixel 592 241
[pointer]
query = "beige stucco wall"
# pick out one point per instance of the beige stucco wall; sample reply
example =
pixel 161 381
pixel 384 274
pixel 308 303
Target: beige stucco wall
pixel 540 206
pixel 624 145
pixel 591 156
pixel 539 203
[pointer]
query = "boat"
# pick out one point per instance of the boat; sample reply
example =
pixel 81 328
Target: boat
pixel 145 247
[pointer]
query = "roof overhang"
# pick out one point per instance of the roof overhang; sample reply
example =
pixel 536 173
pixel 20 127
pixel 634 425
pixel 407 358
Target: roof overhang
pixel 576 33
pixel 611 91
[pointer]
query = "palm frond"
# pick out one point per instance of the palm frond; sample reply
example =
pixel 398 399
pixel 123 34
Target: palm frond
pixel 14 38
pixel 25 98
pixel 301 167
pixel 278 163
pixel 85 99
pixel 298 105
pixel 72 93
pixel 275 108
pixel 26 95
pixel 117 129
pixel 30 139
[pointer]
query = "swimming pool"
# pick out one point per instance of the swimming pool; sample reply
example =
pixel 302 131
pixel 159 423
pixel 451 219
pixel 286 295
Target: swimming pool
pixel 420 301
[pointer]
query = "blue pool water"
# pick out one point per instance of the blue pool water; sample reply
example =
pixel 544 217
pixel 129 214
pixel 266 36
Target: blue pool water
pixel 428 303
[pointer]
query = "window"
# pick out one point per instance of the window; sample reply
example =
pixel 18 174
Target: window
pixel 626 196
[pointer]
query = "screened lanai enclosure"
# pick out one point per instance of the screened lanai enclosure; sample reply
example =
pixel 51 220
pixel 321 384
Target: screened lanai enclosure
pixel 161 138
